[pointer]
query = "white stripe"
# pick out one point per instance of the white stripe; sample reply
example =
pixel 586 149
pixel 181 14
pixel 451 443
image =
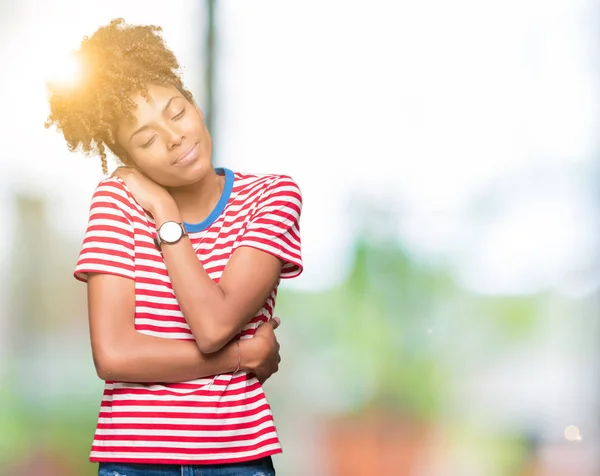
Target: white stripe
pixel 103 268
pixel 88 255
pixel 188 433
pixel 166 335
pixel 185 456
pixel 185 444
pixel 151 287
pixel 113 235
pixel 254 194
pixel 163 312
pixel 153 275
pixel 115 187
pixel 107 248
pixel 269 204
pixel 157 323
pixel 276 251
pixel 212 410
pixel 216 422
pixel 258 234
pixel 217 388
pixel 156 299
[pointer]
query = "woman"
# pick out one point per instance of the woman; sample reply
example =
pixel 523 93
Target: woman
pixel 182 263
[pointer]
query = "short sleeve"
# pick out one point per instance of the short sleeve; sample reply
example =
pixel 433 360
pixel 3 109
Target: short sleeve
pixel 108 244
pixel 275 225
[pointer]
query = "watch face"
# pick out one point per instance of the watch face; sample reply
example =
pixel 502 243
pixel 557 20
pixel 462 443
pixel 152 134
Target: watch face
pixel 170 232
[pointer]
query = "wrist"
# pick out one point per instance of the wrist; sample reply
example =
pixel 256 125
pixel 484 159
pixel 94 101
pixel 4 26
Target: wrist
pixel 166 210
pixel 247 360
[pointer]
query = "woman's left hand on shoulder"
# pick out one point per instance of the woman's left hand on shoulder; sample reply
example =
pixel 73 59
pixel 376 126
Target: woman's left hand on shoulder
pixel 149 194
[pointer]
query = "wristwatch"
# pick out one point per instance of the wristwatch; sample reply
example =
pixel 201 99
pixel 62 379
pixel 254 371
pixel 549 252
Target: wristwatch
pixel 170 232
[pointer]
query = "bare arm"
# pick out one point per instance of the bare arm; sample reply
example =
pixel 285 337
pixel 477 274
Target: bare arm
pixel 217 312
pixel 122 354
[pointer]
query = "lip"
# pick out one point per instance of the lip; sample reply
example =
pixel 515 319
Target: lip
pixel 188 156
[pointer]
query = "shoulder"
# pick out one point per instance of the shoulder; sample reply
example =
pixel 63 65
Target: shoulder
pixel 262 185
pixel 113 193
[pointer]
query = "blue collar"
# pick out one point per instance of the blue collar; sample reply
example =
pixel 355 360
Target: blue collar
pixel 219 207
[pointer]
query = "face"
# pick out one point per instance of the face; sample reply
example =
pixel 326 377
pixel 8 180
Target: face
pixel 167 140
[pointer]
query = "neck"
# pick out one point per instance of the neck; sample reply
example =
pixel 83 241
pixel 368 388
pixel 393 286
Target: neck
pixel 196 201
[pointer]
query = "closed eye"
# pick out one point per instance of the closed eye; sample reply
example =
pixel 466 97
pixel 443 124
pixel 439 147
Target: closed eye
pixel 149 143
pixel 178 115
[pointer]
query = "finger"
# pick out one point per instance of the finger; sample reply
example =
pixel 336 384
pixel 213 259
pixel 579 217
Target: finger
pixel 275 322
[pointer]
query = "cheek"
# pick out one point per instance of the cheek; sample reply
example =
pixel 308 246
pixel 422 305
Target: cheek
pixel 148 160
pixel 192 124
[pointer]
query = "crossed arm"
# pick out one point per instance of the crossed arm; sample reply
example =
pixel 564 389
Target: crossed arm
pixel 123 354
pixel 215 312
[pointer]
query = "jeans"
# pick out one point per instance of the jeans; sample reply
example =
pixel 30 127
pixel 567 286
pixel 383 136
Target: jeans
pixel 259 467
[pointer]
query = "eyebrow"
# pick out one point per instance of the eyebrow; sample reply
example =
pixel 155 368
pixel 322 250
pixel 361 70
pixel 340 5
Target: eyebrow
pixel 143 128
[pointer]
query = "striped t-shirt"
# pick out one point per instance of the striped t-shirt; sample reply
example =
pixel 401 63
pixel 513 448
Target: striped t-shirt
pixel 221 419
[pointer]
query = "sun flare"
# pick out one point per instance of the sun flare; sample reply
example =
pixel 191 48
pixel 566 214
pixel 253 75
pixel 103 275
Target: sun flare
pixel 66 72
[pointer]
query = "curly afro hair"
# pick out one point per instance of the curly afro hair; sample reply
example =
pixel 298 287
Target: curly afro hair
pixel 117 61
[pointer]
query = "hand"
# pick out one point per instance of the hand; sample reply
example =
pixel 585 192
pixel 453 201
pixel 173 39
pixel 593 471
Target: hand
pixel 261 353
pixel 150 195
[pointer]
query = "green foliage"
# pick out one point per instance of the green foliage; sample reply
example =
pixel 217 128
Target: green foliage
pixel 390 322
pixel 380 318
pixel 515 316
pixel 61 434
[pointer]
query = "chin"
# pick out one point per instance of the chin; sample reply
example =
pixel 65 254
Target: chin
pixel 190 175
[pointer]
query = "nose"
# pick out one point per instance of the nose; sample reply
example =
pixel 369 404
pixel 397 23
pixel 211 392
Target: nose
pixel 174 138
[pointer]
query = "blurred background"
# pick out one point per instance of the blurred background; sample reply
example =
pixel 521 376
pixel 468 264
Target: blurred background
pixel 447 322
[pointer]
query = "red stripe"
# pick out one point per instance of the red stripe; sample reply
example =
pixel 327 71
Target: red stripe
pixel 178 461
pixel 185 439
pixel 183 415
pixel 187 403
pixel 95 264
pixel 190 451
pixel 267 205
pixel 198 390
pixel 161 329
pixel 158 427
